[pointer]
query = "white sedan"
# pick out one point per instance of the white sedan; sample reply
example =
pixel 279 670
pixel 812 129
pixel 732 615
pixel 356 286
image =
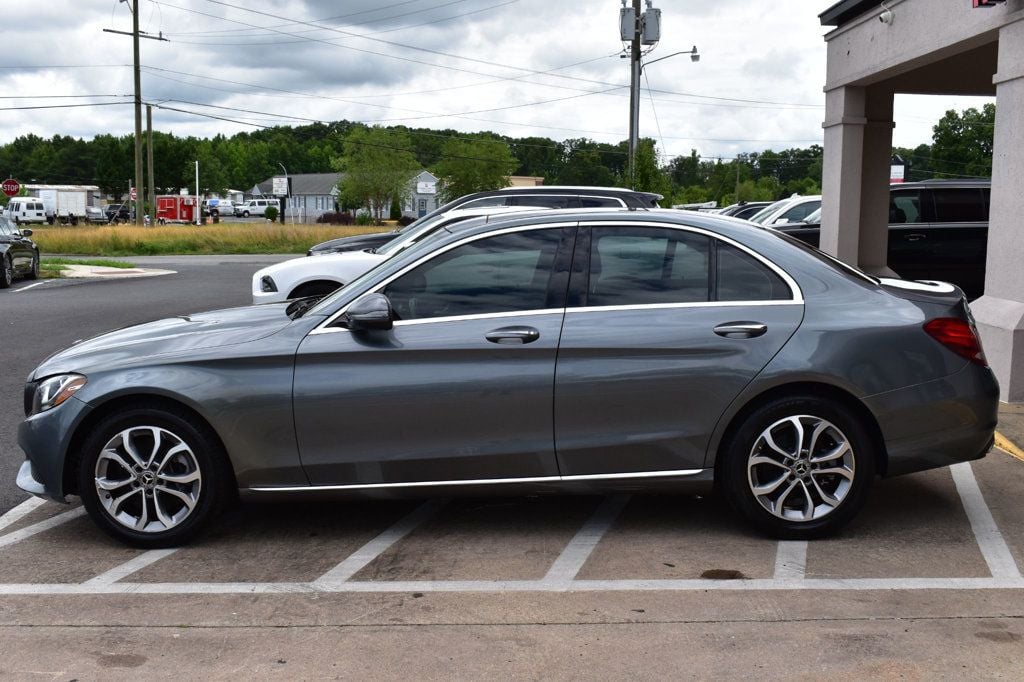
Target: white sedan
pixel 321 275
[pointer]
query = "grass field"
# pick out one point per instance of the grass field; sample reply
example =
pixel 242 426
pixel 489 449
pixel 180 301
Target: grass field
pixel 129 240
pixel 52 268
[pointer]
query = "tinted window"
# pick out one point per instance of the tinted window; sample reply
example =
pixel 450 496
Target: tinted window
pixel 958 205
pixel 746 212
pixel 640 265
pixel 600 202
pixel 741 277
pixel 545 201
pixel 506 273
pixel 905 207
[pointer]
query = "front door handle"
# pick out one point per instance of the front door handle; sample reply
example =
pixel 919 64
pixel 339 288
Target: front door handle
pixel 741 330
pixel 915 237
pixel 513 335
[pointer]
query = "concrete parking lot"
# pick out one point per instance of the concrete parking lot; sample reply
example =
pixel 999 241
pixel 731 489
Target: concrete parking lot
pixel 925 583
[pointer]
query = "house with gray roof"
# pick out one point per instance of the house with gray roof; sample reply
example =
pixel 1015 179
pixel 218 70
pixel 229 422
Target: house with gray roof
pixel 312 195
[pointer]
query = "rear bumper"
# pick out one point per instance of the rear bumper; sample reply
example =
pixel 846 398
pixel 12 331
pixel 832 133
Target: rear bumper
pixel 939 422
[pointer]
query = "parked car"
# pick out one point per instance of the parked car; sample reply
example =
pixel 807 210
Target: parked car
pixel 302 277
pixel 938 230
pixel 118 213
pixel 25 210
pixel 554 351
pixel 537 197
pixel 791 210
pixel 744 209
pixel 256 207
pixel 19 255
pixel 219 207
pixel 95 214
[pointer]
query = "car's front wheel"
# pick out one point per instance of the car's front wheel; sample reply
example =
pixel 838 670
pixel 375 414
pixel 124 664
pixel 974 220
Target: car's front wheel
pixel 153 477
pixel 245 214
pixel 798 467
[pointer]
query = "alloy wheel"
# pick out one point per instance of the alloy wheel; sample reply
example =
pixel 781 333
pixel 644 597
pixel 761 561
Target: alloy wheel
pixel 801 468
pixel 148 479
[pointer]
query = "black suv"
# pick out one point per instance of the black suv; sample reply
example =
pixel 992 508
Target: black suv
pixel 540 197
pixel 938 230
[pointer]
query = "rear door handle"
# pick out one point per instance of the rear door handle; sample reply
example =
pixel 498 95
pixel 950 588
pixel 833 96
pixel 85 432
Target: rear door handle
pixel 915 237
pixel 741 330
pixel 513 335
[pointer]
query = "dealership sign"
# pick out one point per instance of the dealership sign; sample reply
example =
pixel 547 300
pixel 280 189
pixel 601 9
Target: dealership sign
pixel 280 186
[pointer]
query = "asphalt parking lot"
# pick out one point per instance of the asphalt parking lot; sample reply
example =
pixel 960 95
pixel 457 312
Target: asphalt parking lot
pixel 925 583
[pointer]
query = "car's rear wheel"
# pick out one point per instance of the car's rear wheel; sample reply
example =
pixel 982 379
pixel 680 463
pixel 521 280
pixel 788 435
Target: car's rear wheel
pixel 152 477
pixel 798 467
pixel 6 271
pixel 33 272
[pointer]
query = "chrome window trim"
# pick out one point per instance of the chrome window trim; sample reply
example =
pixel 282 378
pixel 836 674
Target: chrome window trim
pixel 797 294
pixel 480 316
pixel 480 481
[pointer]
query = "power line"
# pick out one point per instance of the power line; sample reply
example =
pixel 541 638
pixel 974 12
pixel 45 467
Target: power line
pixel 56 96
pixel 63 106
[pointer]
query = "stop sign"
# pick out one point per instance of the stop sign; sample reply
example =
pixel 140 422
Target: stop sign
pixel 11 187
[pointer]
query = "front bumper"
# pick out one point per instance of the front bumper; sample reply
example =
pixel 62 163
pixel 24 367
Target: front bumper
pixel 46 440
pixel 939 422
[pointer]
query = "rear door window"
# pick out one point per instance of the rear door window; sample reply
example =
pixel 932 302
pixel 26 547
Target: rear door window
pixel 905 207
pixel 959 205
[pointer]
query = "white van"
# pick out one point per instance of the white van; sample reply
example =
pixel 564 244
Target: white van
pixel 25 210
pixel 256 207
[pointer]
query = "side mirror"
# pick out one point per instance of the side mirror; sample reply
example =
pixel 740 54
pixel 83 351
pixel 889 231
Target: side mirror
pixel 371 312
pixel 26 232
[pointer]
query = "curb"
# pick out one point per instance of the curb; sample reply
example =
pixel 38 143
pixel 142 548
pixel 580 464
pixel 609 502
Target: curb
pixel 1009 447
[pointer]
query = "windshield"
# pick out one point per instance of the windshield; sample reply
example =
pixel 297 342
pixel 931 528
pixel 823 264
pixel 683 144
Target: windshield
pixel 825 258
pixel 411 236
pixel 761 215
pixel 814 217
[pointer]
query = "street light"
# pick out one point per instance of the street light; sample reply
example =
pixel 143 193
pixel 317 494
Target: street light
pixel 694 57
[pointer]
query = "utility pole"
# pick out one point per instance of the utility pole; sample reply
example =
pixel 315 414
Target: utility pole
pixel 199 199
pixel 138 114
pixel 151 185
pixel 634 93
pixel 133 5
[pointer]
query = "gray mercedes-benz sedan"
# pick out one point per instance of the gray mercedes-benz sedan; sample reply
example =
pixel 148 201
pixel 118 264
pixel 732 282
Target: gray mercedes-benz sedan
pixel 556 352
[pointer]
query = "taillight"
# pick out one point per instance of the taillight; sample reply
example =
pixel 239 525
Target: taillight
pixel 959 336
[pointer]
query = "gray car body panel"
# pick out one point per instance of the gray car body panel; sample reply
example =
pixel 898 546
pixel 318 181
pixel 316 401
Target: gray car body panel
pixel 440 413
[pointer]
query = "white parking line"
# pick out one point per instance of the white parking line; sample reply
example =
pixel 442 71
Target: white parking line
pixel 990 541
pixel 21 511
pixel 380 544
pixel 701 585
pixel 791 560
pixel 576 553
pixel 127 568
pixel 29 531
pixel 29 287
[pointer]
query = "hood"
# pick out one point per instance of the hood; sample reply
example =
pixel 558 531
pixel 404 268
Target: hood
pixel 167 337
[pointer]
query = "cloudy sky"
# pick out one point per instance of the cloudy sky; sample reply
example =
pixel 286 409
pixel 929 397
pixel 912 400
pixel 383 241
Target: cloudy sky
pixel 519 67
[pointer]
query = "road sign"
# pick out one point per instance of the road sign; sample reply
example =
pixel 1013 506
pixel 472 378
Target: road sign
pixel 279 186
pixel 11 187
pixel 134 194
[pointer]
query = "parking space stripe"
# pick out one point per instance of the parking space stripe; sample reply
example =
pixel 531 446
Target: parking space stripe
pixel 990 541
pixel 685 585
pixel 380 544
pixel 35 528
pixel 127 568
pixel 579 549
pixel 791 560
pixel 29 287
pixel 12 516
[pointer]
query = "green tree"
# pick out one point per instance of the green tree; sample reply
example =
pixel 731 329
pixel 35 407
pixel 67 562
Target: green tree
pixel 468 166
pixel 378 166
pixel 962 143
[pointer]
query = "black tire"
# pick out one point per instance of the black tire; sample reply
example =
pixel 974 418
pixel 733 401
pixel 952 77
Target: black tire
pixel 245 214
pixel 216 483
pixel 737 475
pixel 33 272
pixel 6 272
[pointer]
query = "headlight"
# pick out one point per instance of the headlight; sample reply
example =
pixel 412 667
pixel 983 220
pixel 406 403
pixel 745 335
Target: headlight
pixel 53 391
pixel 267 284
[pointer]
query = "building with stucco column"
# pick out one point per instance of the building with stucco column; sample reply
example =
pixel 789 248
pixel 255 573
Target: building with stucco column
pixel 929 47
